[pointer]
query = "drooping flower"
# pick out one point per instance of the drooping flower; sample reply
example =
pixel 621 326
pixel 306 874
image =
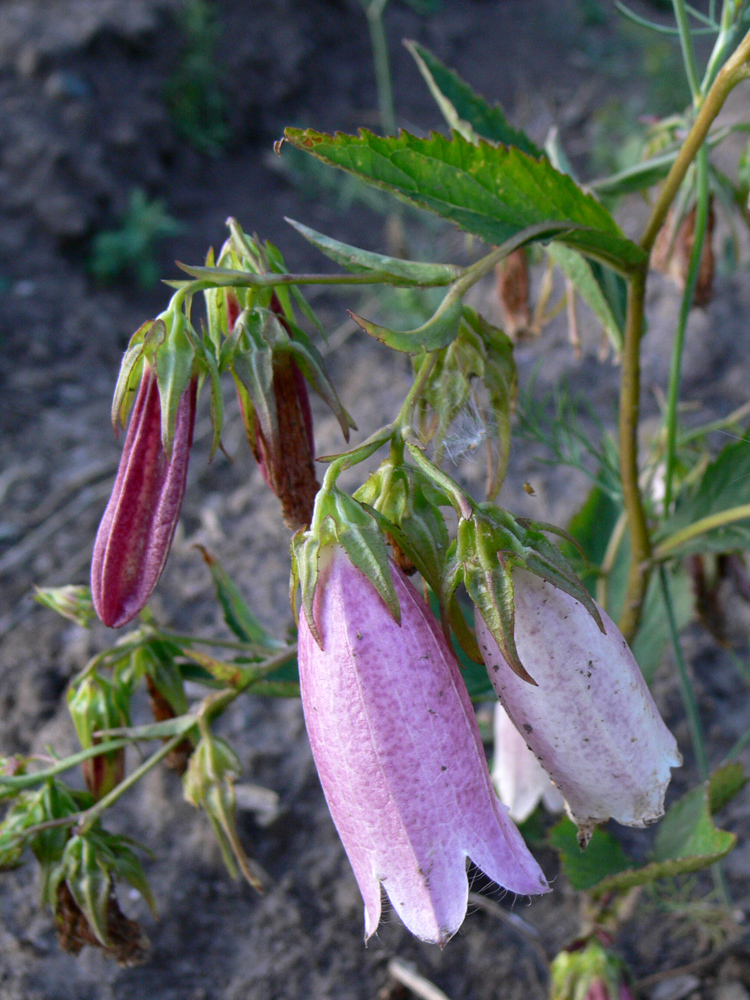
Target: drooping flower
pixel 519 778
pixel 398 752
pixel 590 719
pixel 138 524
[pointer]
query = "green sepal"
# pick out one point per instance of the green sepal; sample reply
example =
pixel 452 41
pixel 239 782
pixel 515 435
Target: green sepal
pixel 339 519
pixel 95 703
pixel 285 293
pixel 411 503
pixel 488 581
pixel 312 366
pixel 157 659
pixel 72 602
pixel 208 784
pixel 89 881
pixel 439 331
pixel 237 614
pixel 489 547
pixel 394 269
pixel 252 367
pixel 209 356
pixel 173 360
pixel 131 369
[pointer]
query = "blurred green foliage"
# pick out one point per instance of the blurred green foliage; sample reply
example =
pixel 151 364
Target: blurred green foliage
pixel 193 93
pixel 130 249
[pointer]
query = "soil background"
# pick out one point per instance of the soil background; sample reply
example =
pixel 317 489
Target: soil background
pixel 83 122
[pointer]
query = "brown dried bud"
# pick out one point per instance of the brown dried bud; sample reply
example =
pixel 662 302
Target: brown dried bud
pixel 128 946
pixel 177 759
pixel 513 293
pixel 672 252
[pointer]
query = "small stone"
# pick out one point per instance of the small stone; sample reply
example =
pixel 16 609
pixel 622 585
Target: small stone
pixel 677 988
pixel 731 991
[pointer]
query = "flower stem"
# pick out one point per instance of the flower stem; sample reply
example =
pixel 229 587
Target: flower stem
pixel 688 51
pixel 90 816
pixel 686 687
pixel 630 386
pixel 733 71
pixel 675 374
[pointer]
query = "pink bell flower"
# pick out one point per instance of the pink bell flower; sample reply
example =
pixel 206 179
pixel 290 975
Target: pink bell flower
pixel 396 744
pixel 591 720
pixel 135 533
pixel 518 777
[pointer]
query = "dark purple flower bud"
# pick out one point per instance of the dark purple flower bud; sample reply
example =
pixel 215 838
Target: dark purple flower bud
pixel 136 531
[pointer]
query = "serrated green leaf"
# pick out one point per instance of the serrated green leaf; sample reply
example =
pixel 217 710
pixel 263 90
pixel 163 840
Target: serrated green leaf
pixel 580 272
pixel 401 272
pixel 237 614
pixel 602 858
pixel 723 487
pixel 687 839
pixel 491 191
pixel 688 831
pixel 464 110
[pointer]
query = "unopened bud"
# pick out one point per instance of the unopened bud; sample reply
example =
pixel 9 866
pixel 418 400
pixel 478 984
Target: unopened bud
pixel 136 530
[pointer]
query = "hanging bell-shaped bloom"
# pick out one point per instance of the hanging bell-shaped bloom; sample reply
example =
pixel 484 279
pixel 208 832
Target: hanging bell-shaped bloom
pixel 136 530
pixel 399 756
pixel 519 778
pixel 590 719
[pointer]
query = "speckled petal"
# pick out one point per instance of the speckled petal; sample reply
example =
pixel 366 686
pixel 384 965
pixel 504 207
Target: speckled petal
pixel 591 722
pixel 398 752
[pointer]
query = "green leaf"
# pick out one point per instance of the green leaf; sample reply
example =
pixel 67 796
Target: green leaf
pixel 723 487
pixel 400 272
pixel 602 858
pixel 724 784
pixel 466 111
pixel 580 272
pixel 491 191
pixel 687 839
pixel 237 613
pixel 653 635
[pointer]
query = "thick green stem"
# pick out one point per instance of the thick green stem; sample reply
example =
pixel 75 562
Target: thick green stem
pixel 91 815
pixel 731 74
pixel 630 386
pixel 675 374
pixel 733 71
